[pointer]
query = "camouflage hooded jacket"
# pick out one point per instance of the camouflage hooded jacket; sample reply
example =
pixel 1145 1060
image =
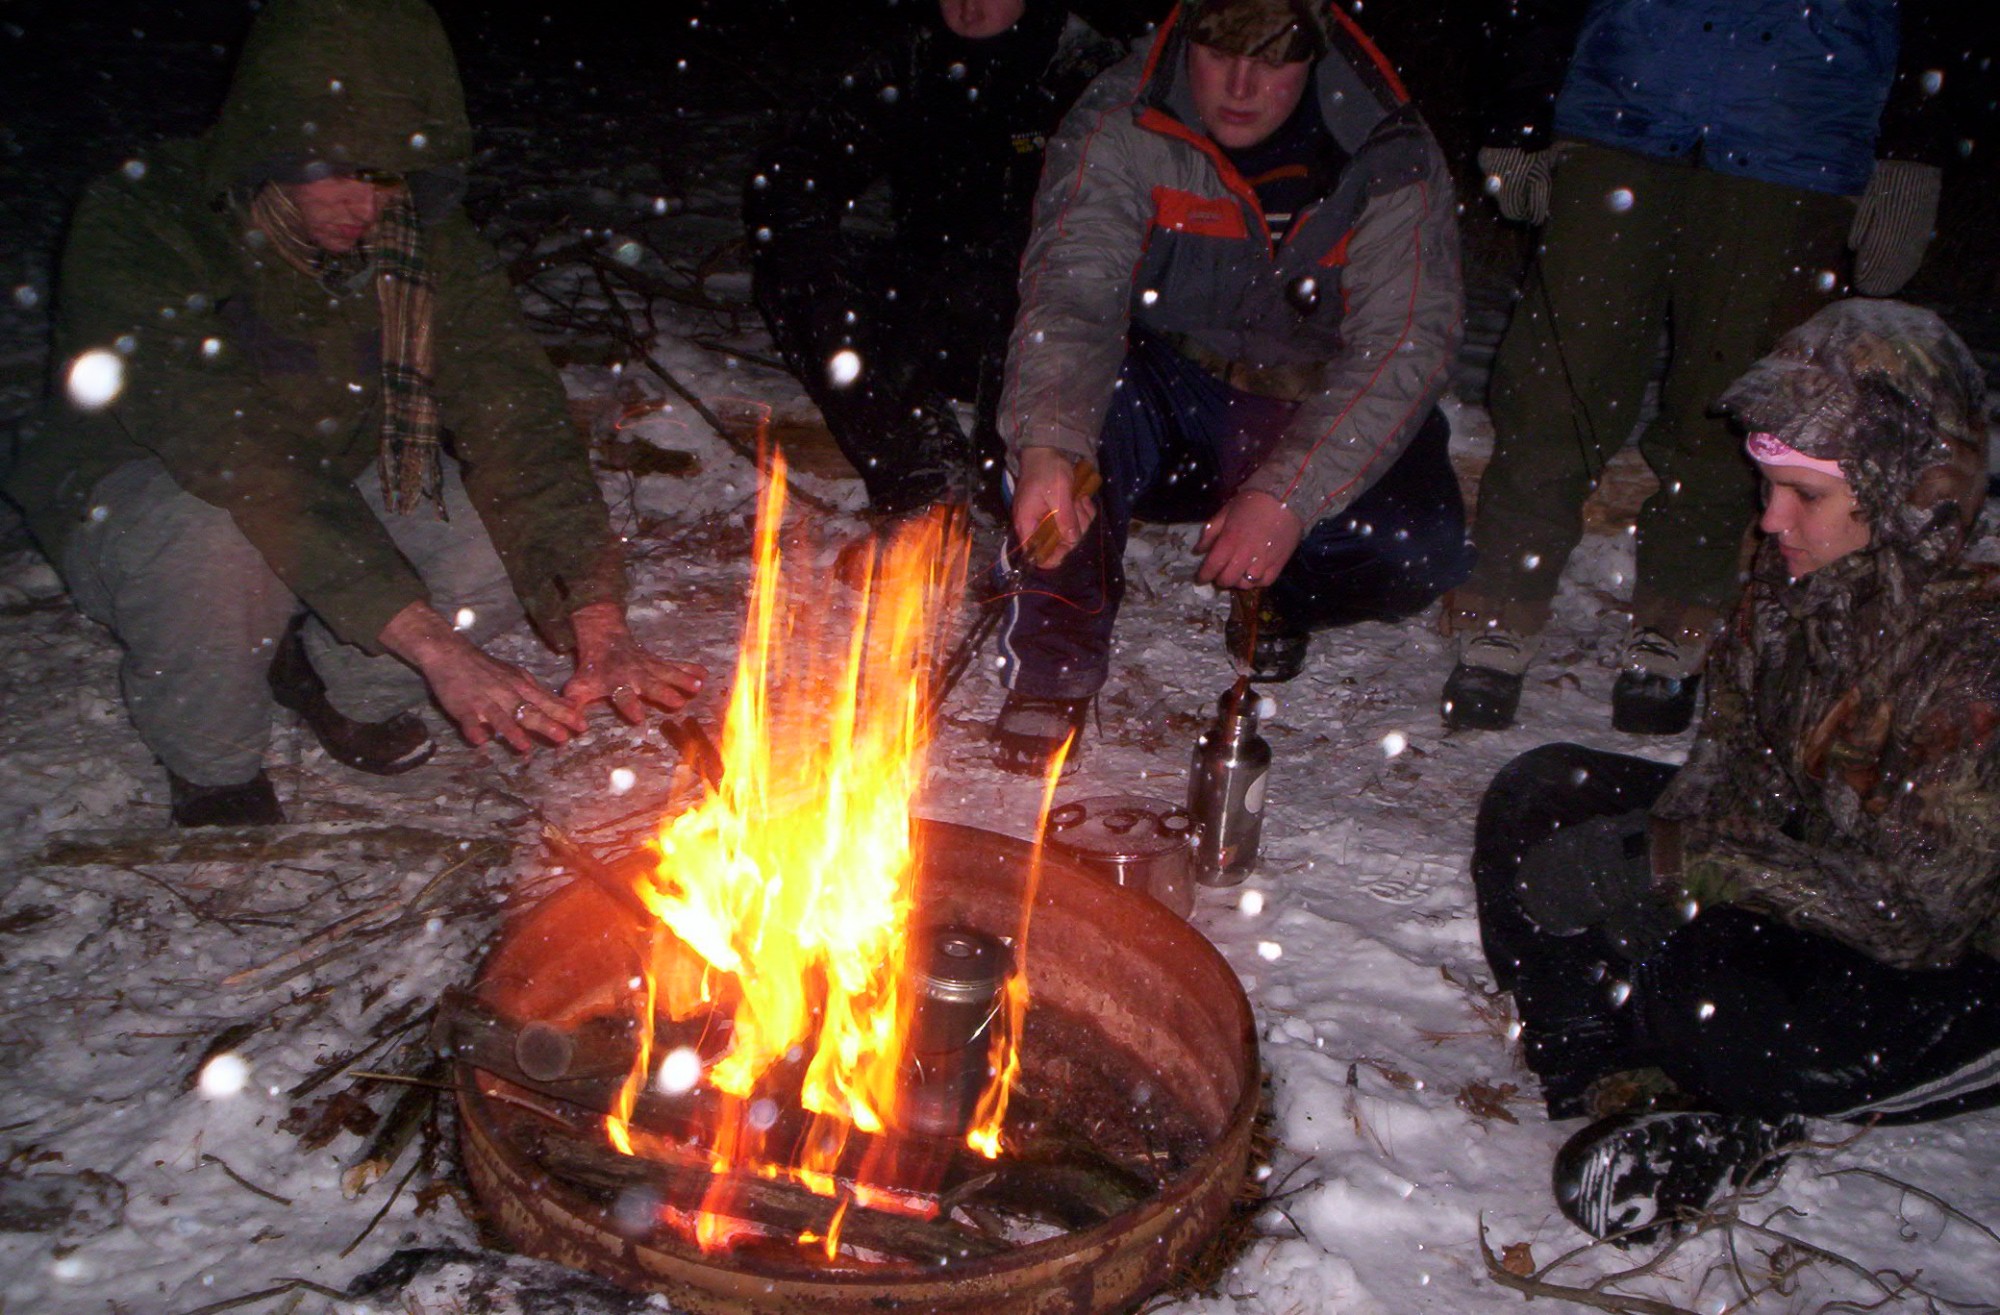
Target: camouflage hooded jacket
pixel 260 389
pixel 1846 778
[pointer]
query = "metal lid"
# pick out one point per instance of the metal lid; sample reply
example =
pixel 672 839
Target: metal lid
pixel 1119 827
pixel 960 965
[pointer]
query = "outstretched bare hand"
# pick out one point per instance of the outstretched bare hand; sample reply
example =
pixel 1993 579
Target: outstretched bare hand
pixel 613 666
pixel 484 695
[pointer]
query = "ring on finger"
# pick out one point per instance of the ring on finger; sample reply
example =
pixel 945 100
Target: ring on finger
pixel 618 691
pixel 521 709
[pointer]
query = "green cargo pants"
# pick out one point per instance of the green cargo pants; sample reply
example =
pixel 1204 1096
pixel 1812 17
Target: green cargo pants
pixel 1633 248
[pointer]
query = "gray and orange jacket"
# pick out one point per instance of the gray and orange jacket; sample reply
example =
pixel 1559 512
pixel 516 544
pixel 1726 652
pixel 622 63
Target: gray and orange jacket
pixel 1142 220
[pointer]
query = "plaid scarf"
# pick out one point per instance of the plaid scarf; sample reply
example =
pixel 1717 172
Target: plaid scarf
pixel 411 461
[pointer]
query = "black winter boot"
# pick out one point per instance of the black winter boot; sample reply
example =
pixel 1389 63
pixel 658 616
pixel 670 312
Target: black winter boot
pixel 1029 731
pixel 1635 1178
pixel 380 748
pixel 248 803
pixel 1264 644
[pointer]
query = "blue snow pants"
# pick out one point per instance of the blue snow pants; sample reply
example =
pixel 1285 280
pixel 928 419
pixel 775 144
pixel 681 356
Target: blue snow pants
pixel 1176 443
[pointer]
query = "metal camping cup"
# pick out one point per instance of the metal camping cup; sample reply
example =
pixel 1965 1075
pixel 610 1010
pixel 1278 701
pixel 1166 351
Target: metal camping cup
pixel 1144 844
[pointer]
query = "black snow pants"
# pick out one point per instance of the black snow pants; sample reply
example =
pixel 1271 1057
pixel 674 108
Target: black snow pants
pixel 1745 1014
pixel 925 326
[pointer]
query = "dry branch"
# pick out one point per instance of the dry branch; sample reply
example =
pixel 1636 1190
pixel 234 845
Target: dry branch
pixel 398 1128
pixel 1534 1285
pixel 376 842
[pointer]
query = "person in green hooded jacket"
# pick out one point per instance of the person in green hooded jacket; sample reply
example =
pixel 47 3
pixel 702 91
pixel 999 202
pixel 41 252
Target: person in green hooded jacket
pixel 295 382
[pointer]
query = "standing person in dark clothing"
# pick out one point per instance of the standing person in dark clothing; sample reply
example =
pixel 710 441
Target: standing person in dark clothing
pixel 1696 171
pixel 885 332
pixel 300 388
pixel 1804 919
pixel 1241 302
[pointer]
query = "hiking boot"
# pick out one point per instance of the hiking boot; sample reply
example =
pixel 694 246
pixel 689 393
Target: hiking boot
pixel 1263 643
pixel 1633 1091
pixel 1635 1178
pixel 248 803
pixel 1484 688
pixel 1658 677
pixel 1029 731
pixel 380 748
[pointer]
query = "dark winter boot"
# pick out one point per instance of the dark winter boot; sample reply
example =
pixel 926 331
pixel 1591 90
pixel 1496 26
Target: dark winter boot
pixel 1658 678
pixel 248 803
pixel 1635 1178
pixel 381 748
pixel 1634 1091
pixel 1264 644
pixel 1029 731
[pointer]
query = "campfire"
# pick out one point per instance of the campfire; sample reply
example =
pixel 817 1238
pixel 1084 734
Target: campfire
pixel 807 1051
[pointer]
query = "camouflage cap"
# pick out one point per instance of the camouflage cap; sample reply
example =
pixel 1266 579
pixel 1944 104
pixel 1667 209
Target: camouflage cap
pixel 1282 31
pixel 1811 392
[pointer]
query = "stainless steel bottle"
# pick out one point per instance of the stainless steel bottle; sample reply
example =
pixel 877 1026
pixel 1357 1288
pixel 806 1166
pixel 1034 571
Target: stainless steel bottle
pixel 958 976
pixel 1226 790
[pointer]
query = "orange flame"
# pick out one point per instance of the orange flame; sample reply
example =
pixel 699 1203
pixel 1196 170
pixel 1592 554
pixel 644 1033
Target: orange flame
pixel 787 891
pixel 991 1113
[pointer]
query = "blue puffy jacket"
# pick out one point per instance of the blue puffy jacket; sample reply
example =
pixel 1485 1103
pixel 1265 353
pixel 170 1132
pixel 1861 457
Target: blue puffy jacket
pixel 1786 91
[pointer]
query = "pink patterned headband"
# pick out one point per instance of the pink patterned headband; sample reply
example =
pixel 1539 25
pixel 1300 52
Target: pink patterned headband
pixel 1769 450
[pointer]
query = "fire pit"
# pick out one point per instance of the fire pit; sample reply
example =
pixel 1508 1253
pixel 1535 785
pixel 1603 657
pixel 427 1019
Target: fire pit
pixel 807 1053
pixel 1138 1036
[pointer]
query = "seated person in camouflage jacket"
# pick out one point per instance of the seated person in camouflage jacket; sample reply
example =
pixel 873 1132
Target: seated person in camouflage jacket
pixel 297 382
pixel 1803 920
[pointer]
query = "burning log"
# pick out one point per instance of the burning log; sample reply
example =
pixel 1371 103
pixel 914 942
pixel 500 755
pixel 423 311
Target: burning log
pixel 779 1210
pixel 1046 1182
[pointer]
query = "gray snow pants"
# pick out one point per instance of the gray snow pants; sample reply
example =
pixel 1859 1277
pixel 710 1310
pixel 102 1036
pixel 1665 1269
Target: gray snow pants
pixel 200 613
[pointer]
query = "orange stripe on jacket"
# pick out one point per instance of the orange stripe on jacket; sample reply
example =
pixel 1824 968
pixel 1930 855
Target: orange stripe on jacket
pixel 1203 216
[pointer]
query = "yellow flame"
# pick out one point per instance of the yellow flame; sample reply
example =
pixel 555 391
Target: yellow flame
pixel 991 1112
pixel 792 882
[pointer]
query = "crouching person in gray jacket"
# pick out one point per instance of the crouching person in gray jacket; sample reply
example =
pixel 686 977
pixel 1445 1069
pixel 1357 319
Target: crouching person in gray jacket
pixel 1241 300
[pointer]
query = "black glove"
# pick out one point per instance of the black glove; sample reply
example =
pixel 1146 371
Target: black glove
pixel 1597 873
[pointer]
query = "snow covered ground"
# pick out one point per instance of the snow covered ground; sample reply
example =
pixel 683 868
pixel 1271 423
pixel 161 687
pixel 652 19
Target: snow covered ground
pixel 139 1175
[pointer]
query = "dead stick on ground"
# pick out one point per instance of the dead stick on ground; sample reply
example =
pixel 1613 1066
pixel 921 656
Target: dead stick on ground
pixel 312 944
pixel 284 1287
pixel 379 1215
pixel 1918 1192
pixel 1535 1286
pixel 241 1181
pixel 398 1128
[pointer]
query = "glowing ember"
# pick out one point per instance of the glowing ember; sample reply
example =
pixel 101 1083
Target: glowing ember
pixel 784 897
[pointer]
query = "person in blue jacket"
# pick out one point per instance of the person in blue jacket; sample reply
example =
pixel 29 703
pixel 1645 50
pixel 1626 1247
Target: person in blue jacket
pixel 1698 169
